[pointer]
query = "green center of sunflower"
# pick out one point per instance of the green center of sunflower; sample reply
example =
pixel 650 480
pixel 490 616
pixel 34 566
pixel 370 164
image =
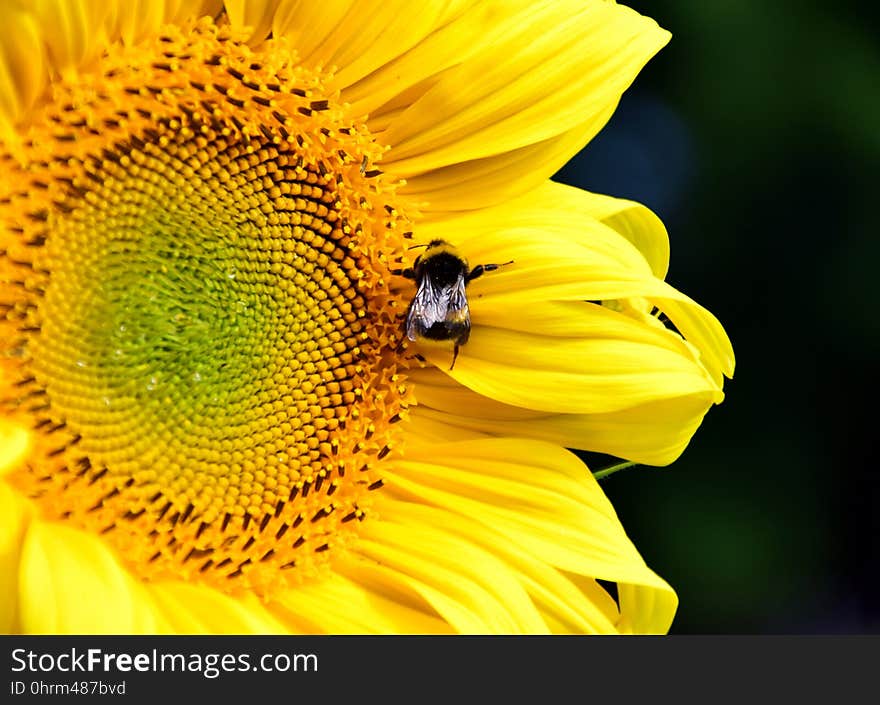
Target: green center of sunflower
pixel 199 325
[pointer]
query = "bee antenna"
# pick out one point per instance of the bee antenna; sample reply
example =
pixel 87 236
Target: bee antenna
pixel 414 247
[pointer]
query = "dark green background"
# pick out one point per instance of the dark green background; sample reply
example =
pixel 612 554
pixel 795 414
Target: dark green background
pixel 755 135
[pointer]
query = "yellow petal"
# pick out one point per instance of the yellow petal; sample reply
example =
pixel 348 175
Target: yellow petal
pixel 177 11
pixel 15 443
pixel 416 61
pixel 555 66
pixel 583 608
pixel 72 30
pixel 23 68
pixel 569 281
pixel 197 609
pixel 356 38
pixel 361 604
pixel 544 500
pixel 256 15
pixel 481 183
pixel 307 26
pixel 537 229
pixel 634 221
pixel 612 368
pixel 646 232
pixel 477 582
pixel 135 20
pixel 428 428
pixel 562 252
pixel 71 583
pixel 645 609
pixel 702 330
pixel 464 615
pixel 14 518
pixel 62 36
pixel 474 587
pixel 653 434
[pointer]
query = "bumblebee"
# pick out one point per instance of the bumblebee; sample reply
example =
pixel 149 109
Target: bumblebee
pixel 439 309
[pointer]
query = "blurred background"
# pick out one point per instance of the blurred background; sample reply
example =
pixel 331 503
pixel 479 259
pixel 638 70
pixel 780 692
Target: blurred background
pixel 755 135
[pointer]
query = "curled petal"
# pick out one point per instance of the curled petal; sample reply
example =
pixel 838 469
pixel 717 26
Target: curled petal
pixel 562 252
pixel 655 433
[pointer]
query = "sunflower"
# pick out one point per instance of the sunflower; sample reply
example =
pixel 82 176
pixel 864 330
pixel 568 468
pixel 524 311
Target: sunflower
pixel 212 420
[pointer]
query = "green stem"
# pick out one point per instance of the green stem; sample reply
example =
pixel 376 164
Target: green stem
pixel 611 469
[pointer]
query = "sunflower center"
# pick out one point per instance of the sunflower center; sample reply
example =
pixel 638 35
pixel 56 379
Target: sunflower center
pixel 198 322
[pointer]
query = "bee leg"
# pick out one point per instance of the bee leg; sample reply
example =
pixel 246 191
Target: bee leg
pixel 408 273
pixel 454 354
pixel 459 341
pixel 480 269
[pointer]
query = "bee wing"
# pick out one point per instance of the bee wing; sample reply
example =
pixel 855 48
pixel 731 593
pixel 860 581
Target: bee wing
pixel 457 311
pixel 427 308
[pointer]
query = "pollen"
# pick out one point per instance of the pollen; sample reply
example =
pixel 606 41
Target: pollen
pixel 195 318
